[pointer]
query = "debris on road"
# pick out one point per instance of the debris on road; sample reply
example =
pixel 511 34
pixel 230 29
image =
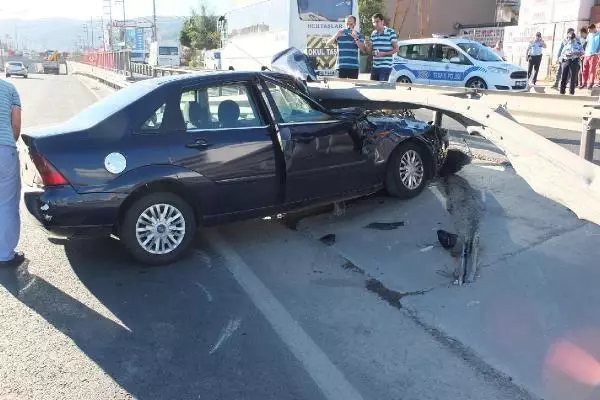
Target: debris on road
pixel 385 226
pixel 447 240
pixel 426 249
pixel 328 239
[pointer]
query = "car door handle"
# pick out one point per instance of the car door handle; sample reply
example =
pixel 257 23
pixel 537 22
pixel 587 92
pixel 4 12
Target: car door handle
pixel 199 144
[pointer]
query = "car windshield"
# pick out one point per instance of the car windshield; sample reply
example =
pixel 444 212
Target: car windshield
pixel 479 52
pixel 15 64
pixel 109 106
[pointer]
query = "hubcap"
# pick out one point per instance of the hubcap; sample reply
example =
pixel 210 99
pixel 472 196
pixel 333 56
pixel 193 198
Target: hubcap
pixel 411 170
pixel 160 229
pixel 477 84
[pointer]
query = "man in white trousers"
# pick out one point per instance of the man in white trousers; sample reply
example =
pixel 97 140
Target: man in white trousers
pixel 10 180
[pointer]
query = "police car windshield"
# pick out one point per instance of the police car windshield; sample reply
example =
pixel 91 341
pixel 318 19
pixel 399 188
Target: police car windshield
pixel 480 52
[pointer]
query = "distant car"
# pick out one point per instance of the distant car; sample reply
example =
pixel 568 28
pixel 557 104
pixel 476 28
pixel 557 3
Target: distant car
pixel 154 161
pixel 16 68
pixel 455 62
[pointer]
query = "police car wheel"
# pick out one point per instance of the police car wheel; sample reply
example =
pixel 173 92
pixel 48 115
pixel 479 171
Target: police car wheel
pixel 403 79
pixel 476 83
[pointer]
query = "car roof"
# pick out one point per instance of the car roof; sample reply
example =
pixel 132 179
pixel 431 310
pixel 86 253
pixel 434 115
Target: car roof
pixel 453 40
pixel 209 77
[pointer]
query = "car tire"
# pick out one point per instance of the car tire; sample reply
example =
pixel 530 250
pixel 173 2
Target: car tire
pixel 24 76
pixel 403 79
pixel 411 156
pixel 137 217
pixel 8 75
pixel 476 83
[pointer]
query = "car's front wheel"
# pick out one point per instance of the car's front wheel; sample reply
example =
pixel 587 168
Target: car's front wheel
pixel 158 228
pixel 8 75
pixel 476 83
pixel 403 79
pixel 407 171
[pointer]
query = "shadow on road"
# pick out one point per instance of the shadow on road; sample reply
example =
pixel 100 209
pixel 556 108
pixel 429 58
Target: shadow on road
pixel 157 331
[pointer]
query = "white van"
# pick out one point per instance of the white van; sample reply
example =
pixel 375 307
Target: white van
pixel 164 54
pixel 455 61
pixel 212 59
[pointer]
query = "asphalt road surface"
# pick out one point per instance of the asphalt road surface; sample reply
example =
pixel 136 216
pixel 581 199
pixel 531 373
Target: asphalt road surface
pixel 257 311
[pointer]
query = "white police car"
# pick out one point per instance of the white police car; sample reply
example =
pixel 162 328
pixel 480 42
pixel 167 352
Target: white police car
pixel 455 61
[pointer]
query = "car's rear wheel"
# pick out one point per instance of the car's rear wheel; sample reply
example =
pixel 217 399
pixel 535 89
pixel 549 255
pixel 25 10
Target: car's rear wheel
pixel 403 79
pixel 158 228
pixel 407 171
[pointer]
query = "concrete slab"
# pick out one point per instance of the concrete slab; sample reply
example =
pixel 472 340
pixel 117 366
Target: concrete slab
pixel 537 272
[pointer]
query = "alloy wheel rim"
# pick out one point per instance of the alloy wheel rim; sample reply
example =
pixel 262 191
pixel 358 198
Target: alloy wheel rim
pixel 411 169
pixel 160 229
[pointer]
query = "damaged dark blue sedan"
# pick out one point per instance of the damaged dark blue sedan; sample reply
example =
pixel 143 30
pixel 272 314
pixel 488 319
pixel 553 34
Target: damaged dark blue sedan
pixel 160 158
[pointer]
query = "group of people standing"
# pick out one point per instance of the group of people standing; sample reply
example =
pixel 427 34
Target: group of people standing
pixel 577 59
pixel 383 45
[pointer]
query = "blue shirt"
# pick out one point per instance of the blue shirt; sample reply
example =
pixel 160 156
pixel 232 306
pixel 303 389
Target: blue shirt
pixel 593 44
pixel 9 98
pixel 569 49
pixel 535 48
pixel 348 50
pixel 383 42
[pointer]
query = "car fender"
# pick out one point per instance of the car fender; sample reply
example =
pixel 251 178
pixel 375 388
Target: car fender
pixel 136 178
pixel 400 69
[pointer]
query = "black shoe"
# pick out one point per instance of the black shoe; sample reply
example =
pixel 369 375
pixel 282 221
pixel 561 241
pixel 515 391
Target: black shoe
pixel 16 261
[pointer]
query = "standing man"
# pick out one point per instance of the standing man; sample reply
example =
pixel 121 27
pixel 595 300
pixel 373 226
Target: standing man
pixel 570 63
pixel 10 181
pixel 583 32
pixel 384 44
pixel 534 56
pixel 559 62
pixel 590 58
pixel 349 41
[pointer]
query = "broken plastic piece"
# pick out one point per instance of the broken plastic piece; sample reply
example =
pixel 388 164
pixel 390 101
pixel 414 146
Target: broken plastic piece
pixel 385 226
pixel 447 240
pixel 328 239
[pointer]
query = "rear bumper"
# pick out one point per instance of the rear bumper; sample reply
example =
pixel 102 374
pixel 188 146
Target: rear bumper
pixel 63 212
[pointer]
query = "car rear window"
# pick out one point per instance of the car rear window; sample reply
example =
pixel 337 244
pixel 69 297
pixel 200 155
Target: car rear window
pixel 109 106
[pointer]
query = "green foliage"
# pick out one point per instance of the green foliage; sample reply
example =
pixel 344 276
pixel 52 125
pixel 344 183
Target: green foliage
pixel 366 9
pixel 200 31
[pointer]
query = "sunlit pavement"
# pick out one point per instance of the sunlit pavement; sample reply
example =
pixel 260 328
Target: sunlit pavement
pixel 261 311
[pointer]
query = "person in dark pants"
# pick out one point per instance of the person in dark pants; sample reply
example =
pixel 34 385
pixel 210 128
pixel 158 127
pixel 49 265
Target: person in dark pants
pixel 534 56
pixel 348 41
pixel 558 60
pixel 571 53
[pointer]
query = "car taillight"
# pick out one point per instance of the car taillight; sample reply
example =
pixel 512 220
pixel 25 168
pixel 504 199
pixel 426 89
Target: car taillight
pixel 48 174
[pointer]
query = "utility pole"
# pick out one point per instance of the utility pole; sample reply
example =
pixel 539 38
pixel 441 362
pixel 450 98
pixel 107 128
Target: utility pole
pixel 92 28
pixel 154 33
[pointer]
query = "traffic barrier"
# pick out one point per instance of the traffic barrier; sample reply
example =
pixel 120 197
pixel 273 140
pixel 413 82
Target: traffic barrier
pixel 113 79
pixel 550 170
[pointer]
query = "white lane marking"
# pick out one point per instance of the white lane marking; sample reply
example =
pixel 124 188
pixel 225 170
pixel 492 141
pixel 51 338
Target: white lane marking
pixel 327 376
pixel 208 295
pixel 232 326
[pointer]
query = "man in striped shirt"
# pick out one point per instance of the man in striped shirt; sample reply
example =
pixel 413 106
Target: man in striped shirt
pixel 384 44
pixel 10 182
pixel 349 41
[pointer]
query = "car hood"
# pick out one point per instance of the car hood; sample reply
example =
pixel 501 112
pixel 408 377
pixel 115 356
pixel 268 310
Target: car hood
pixel 293 62
pixel 503 64
pixel 407 126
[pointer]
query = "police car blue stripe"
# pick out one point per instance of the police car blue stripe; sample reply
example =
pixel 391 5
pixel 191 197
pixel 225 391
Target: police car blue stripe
pixel 439 75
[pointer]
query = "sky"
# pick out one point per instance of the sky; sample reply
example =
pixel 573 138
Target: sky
pixel 84 9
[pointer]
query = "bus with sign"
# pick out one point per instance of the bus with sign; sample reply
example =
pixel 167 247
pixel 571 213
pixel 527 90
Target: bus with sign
pixel 250 37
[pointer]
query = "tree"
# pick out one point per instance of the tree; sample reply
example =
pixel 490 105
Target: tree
pixel 200 31
pixel 366 9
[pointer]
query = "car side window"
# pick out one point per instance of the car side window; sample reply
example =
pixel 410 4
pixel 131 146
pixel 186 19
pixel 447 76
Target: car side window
pixel 293 107
pixel 448 54
pixel 154 123
pixel 219 107
pixel 417 52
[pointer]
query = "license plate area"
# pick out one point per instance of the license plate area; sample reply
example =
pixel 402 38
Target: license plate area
pixel 520 84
